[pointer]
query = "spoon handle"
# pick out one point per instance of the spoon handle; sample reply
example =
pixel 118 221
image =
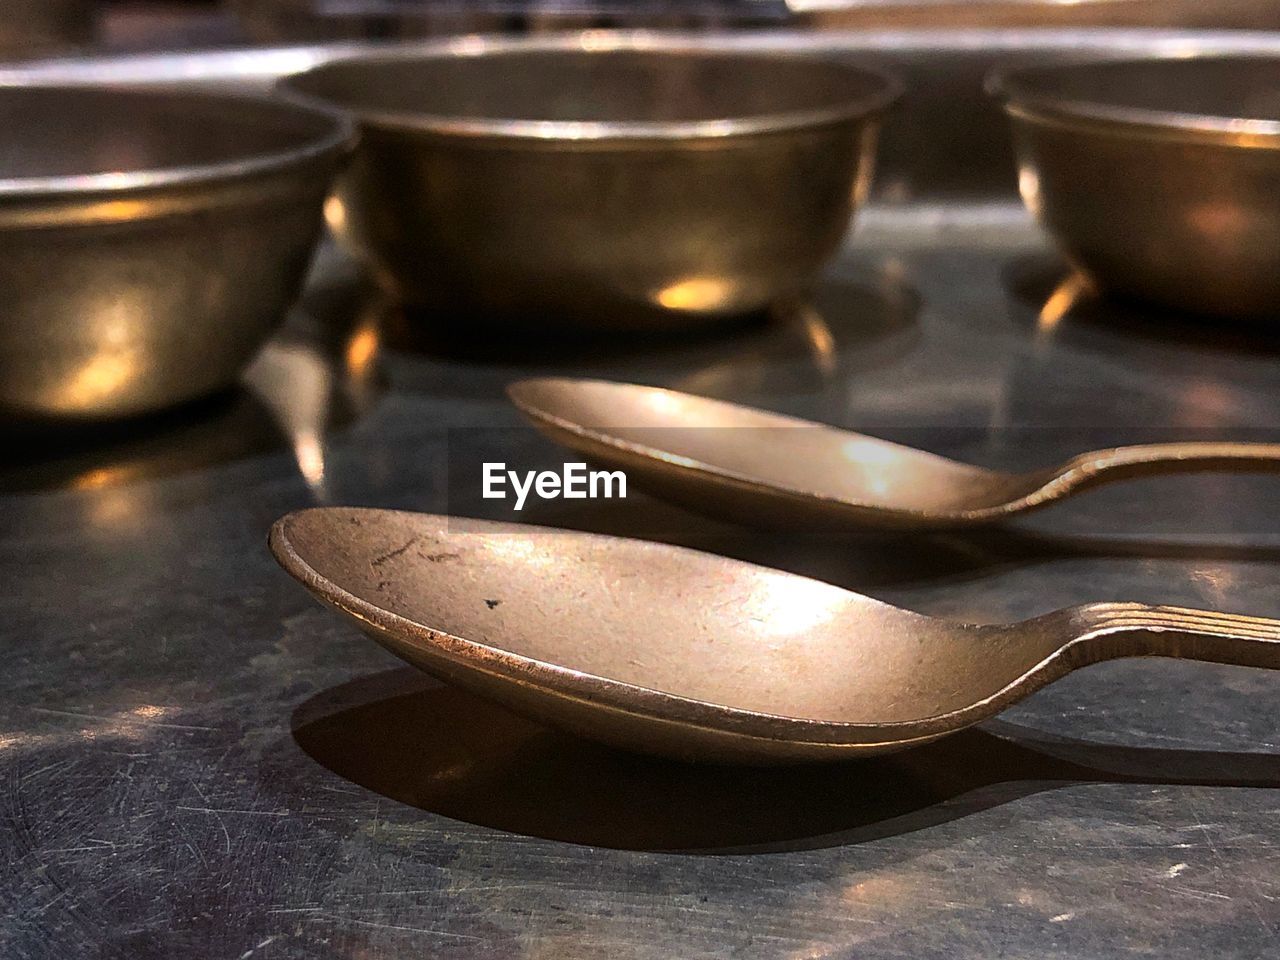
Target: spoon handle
pixel 1153 459
pixel 1130 629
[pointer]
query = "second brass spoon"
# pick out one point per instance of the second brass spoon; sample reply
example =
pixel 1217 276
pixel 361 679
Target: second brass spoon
pixel 758 467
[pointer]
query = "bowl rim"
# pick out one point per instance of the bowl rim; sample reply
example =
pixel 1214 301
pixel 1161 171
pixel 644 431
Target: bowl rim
pixel 337 137
pixel 570 132
pixel 1008 84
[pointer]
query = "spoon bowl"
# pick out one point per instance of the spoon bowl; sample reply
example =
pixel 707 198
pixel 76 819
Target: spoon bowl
pixel 767 469
pixel 673 651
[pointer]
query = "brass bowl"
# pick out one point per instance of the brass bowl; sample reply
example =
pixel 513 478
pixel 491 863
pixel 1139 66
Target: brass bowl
pixel 599 188
pixel 150 241
pixel 43 28
pixel 1158 178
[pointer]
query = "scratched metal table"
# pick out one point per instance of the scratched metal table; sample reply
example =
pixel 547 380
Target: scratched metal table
pixel 196 760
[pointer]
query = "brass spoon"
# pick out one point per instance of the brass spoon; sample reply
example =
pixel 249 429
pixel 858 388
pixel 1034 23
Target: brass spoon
pixel 764 468
pixel 667 650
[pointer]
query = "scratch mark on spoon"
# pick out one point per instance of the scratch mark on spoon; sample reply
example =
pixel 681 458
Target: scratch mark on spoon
pixel 392 554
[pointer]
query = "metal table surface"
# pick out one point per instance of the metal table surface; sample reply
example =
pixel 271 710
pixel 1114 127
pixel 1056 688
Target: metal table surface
pixel 197 760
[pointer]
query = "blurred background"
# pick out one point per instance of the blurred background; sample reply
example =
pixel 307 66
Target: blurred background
pixel 43 28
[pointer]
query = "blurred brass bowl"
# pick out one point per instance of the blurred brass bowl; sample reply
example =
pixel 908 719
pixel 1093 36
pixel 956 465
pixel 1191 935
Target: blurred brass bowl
pixel 1033 14
pixel 599 188
pixel 1158 178
pixel 150 241
pixel 42 28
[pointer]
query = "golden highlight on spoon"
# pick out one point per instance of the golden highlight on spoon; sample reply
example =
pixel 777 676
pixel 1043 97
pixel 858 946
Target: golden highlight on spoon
pixel 672 651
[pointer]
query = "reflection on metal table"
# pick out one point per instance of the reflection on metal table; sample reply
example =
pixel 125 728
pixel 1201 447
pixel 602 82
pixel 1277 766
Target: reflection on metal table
pixel 197 759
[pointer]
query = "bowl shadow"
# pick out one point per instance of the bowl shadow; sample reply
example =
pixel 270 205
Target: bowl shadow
pixel 1049 291
pixel 847 323
pixel 316 376
pixel 408 738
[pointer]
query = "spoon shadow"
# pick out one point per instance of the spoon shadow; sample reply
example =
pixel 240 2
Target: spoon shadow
pixel 412 740
pixel 955 558
pixel 870 559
